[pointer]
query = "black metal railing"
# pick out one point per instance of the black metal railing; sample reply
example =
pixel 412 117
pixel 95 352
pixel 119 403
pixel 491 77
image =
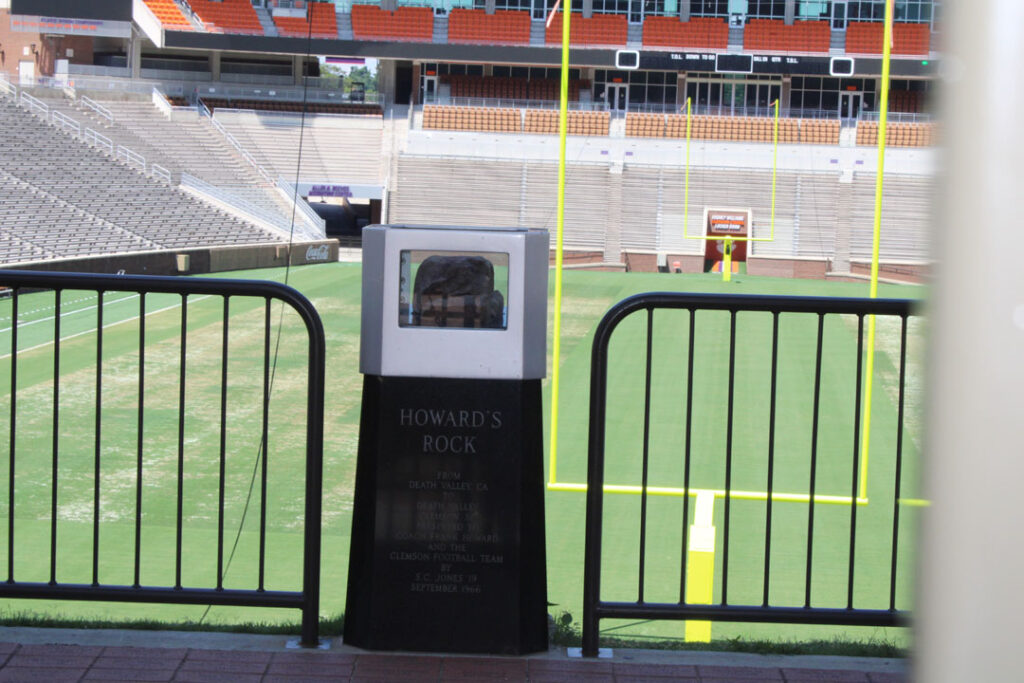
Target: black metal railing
pixel 845 317
pixel 131 438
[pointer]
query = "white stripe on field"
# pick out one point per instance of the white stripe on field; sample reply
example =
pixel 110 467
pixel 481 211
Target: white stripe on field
pixel 48 308
pixel 113 324
pixel 63 315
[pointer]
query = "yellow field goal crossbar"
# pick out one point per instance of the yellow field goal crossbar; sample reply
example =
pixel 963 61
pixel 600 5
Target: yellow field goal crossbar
pixel 727 251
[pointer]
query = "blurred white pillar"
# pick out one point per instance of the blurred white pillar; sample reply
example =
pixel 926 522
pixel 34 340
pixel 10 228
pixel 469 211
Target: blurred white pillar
pixel 970 607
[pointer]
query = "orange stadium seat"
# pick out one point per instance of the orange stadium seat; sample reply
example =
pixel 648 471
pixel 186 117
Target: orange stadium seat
pixel 370 22
pixel 506 27
pixel 907 39
pixel 228 16
pixel 498 87
pixel 323 22
pixel 699 32
pixel 598 30
pixel 170 15
pixel 775 35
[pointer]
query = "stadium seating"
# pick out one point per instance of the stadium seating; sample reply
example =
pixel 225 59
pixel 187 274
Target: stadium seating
pixel 645 125
pixel 484 119
pixel 734 128
pixel 598 30
pixel 370 22
pixel 863 37
pixel 906 228
pixel 905 101
pixel 53 187
pixel 511 88
pixel 214 103
pixel 504 27
pixel 187 143
pixel 347 148
pixel 776 35
pixel 699 32
pixel 228 16
pixel 897 134
pixel 321 15
pixel 545 122
pixel 434 190
pixel 170 15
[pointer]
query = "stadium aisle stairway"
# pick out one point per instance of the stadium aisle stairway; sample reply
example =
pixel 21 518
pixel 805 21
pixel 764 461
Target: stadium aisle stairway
pixel 62 198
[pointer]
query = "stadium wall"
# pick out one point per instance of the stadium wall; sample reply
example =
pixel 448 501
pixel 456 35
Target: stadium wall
pixel 812 269
pixel 16 46
pixel 199 261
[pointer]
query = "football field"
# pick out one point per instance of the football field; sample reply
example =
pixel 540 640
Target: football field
pixel 334 289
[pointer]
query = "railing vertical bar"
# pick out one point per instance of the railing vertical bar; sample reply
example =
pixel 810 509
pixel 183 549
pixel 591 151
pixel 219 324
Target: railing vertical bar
pixel 728 456
pixel 856 463
pixel 816 416
pixel 183 346
pixel 771 458
pixel 264 440
pixel 12 436
pixel 686 460
pixel 139 445
pixel 223 442
pixel 97 433
pixel 899 464
pixel 314 485
pixel 595 489
pixel 646 456
pixel 55 435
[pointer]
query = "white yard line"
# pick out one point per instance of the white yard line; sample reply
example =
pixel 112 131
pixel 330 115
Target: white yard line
pixel 113 324
pixel 63 315
pixel 47 308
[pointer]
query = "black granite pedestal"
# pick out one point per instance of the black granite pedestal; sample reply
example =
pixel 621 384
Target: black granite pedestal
pixel 448 547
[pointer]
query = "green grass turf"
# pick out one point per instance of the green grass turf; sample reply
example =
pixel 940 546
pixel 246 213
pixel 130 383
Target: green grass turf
pixel 334 290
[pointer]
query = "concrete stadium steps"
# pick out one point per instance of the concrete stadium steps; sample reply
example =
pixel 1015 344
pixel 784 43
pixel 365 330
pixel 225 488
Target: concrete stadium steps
pixel 586 216
pixel 185 143
pixel 74 197
pixel 438 191
pixel 333 147
pixel 633 208
pixel 188 143
pixel 48 226
pixel 906 217
pixel 119 134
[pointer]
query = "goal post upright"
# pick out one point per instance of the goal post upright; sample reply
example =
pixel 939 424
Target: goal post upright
pixel 883 118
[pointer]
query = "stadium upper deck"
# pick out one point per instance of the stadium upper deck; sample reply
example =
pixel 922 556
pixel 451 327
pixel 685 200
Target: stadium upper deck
pixel 821 58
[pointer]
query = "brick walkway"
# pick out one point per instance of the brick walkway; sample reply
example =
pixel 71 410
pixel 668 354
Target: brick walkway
pixel 39 661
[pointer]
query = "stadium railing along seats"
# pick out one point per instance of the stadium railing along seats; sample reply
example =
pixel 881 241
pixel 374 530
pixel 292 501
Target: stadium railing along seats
pixel 905 101
pixel 511 88
pixel 370 22
pixel 734 128
pixel 588 123
pixel 322 16
pixel 170 15
pixel 504 27
pixel 775 35
pixel 864 37
pixel 512 120
pixel 214 103
pixel 482 119
pixel 598 30
pixel 228 16
pixel 897 134
pixel 699 32
pixel 73 200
